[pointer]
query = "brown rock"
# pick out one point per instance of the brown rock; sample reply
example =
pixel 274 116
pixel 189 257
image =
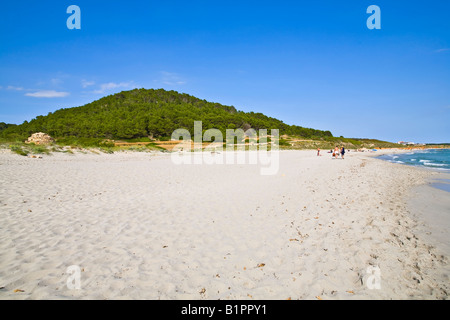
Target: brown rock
pixel 40 138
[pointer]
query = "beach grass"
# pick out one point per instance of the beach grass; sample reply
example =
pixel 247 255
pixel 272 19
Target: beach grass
pixel 164 145
pixel 24 149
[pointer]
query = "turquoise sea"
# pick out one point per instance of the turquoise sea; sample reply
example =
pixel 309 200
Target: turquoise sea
pixel 436 159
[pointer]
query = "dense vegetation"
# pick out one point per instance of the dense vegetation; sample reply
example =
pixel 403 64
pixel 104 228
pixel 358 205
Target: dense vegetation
pixel 327 143
pixel 3 125
pixel 142 113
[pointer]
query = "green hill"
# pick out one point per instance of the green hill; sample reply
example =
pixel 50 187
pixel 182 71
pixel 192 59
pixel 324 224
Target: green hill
pixel 143 113
pixel 4 126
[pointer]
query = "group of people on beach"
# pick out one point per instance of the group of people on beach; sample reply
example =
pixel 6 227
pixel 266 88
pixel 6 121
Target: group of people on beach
pixel 335 153
pixel 338 152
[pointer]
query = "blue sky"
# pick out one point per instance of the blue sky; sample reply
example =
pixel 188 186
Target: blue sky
pixel 314 64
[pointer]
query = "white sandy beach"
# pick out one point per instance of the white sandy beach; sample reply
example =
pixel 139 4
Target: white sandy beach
pixel 141 227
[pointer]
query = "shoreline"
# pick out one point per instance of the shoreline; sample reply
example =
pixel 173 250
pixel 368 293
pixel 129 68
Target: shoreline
pixel 430 206
pixel 142 228
pixel 433 193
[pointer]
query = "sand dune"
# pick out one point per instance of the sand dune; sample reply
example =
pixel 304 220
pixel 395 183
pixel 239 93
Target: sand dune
pixel 140 227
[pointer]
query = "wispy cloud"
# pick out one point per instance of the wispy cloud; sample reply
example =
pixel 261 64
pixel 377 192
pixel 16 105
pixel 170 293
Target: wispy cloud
pixel 36 93
pixel 171 79
pixel 106 87
pixel 442 50
pixel 56 81
pixel 47 94
pixel 14 88
pixel 86 83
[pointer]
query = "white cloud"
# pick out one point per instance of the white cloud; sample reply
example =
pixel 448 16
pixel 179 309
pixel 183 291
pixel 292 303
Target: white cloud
pixel 86 83
pixel 442 50
pixel 105 87
pixel 48 94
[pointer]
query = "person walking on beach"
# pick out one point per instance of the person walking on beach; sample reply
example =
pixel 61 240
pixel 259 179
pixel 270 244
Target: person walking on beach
pixel 318 151
pixel 342 152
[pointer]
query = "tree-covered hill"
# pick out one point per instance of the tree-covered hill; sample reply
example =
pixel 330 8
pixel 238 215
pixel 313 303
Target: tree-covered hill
pixel 148 112
pixel 4 126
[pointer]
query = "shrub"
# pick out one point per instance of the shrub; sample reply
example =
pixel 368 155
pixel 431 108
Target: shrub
pixel 79 142
pixel 106 144
pixel 107 150
pixel 38 149
pixel 284 142
pixel 18 149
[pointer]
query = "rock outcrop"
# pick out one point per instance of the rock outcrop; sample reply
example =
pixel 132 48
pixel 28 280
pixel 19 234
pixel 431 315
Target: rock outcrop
pixel 40 138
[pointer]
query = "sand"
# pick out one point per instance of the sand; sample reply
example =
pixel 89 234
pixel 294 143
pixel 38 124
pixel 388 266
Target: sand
pixel 137 226
pixel 434 219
